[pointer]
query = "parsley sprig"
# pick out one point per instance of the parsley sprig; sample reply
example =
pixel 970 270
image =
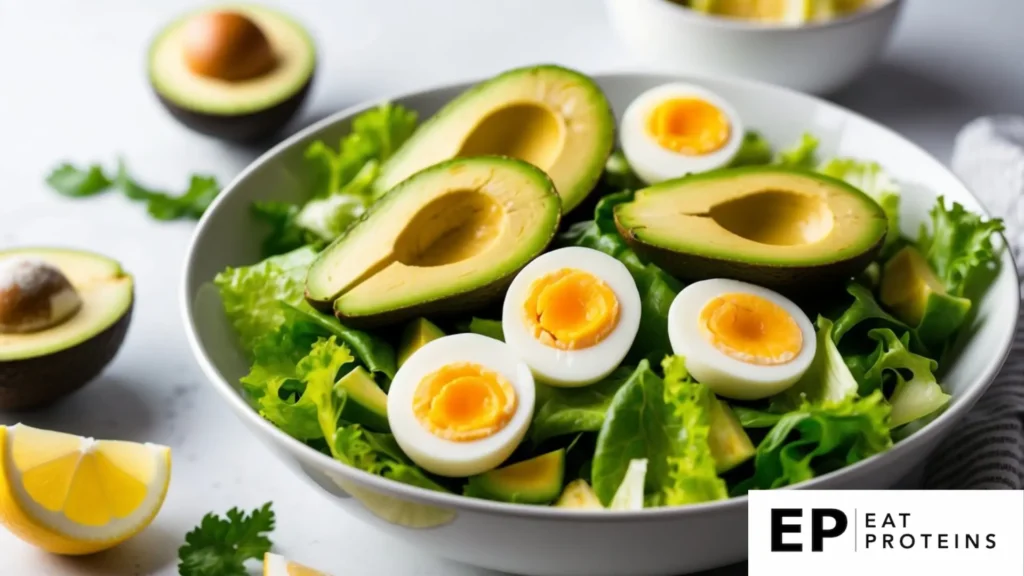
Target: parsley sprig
pixel 75 182
pixel 220 546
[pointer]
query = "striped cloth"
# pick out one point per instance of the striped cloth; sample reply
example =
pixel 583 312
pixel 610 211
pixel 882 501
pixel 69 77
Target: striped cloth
pixel 986 451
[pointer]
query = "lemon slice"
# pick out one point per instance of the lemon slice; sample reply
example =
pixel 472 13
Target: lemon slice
pixel 781 11
pixel 276 565
pixel 72 495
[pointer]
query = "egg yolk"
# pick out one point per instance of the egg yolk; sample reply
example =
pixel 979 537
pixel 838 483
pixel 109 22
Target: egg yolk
pixel 751 329
pixel 689 126
pixel 464 401
pixel 571 309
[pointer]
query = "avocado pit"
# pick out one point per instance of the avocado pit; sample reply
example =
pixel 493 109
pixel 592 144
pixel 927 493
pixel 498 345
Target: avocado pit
pixel 228 46
pixel 34 296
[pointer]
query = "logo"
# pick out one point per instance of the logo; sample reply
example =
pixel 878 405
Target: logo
pixel 869 533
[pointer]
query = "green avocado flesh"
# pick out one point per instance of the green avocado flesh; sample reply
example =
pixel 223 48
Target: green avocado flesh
pixel 910 289
pixel 534 481
pixel 173 80
pixel 414 336
pixel 776 227
pixel 450 238
pixel 555 118
pixel 365 402
pixel 728 441
pixel 103 287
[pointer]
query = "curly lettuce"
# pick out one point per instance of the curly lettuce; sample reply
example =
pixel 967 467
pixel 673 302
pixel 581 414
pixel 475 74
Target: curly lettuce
pixel 959 247
pixel 913 398
pixel 341 180
pixel 817 439
pixel 666 423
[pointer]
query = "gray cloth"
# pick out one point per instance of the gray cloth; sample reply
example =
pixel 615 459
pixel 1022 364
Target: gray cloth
pixel 986 450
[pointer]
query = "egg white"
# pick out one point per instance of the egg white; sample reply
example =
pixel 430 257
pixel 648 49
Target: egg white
pixel 446 457
pixel 653 163
pixel 725 375
pixel 571 368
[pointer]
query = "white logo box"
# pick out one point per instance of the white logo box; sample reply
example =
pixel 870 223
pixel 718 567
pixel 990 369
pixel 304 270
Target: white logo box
pixel 887 532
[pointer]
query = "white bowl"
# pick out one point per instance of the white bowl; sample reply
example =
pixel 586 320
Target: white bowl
pixel 543 540
pixel 817 58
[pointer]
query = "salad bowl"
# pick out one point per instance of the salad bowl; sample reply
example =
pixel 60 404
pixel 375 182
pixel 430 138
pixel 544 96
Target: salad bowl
pixel 556 541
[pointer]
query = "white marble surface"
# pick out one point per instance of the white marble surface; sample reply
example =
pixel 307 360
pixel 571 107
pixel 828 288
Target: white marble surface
pixel 74 88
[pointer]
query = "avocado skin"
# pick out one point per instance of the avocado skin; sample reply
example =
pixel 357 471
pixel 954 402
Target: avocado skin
pixel 792 280
pixel 242 128
pixel 456 305
pixel 39 381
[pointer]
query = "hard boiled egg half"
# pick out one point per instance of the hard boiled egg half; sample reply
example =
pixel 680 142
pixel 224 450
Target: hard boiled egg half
pixel 743 341
pixel 461 404
pixel 676 129
pixel 572 315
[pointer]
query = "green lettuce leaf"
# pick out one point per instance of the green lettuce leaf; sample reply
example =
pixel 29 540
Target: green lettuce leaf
pixel 870 178
pixel 754 151
pixel 376 135
pixel 816 440
pixel 912 399
pixel 341 179
pixel 285 233
pixel 375 353
pixel 294 390
pixel 691 465
pixel 251 294
pixel 635 428
pixel 803 155
pixel 563 411
pixel 827 380
pixel 865 312
pixel 374 453
pixel 959 246
pixel 666 424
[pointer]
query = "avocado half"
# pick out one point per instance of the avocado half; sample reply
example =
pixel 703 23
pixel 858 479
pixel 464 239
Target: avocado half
pixel 552 117
pixel 448 239
pixel 235 72
pixel 42 365
pixel 785 229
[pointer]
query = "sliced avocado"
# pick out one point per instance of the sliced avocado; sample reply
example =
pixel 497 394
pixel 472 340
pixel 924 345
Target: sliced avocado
pixel 238 72
pixel 580 496
pixel 913 293
pixel 448 239
pixel 777 227
pixel 63 317
pixel 365 402
pixel 555 118
pixel 414 336
pixel 728 441
pixel 534 481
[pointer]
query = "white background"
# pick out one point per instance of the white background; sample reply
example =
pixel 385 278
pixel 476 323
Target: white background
pixel 73 87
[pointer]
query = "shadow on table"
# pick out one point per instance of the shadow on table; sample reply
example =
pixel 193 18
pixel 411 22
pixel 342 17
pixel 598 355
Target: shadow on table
pixel 154 551
pixel 107 408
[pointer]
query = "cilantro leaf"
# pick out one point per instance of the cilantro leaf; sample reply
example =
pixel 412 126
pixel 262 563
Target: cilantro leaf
pixel 220 546
pixel 75 182
pixel 69 180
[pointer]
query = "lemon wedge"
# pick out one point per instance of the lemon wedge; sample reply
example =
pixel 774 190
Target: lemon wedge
pixel 276 565
pixel 72 495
